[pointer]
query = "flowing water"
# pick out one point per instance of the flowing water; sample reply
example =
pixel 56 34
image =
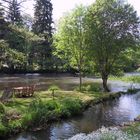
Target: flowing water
pixel 65 82
pixel 110 113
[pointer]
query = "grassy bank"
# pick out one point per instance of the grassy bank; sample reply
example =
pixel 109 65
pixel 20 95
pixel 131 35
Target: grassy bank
pixel 133 128
pixel 135 79
pixel 22 114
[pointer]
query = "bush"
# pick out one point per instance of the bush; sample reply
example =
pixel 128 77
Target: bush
pixel 10 115
pixel 14 125
pixel 53 89
pixel 2 108
pixel 3 130
pixel 71 107
pixel 41 112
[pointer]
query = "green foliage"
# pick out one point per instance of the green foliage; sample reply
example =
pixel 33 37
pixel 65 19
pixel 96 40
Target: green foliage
pixel 2 108
pixel 43 18
pixel 20 51
pixel 134 79
pixel 3 130
pixel 9 56
pixel 89 87
pixel 71 107
pixel 14 12
pixel 133 129
pixel 53 89
pixel 70 36
pixel 70 39
pixel 42 26
pixel 40 112
pixel 112 28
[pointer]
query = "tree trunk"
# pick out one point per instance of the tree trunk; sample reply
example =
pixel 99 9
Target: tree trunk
pixel 104 78
pixel 80 78
pixel 7 94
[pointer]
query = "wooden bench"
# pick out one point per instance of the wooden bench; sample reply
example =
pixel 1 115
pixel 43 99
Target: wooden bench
pixel 27 91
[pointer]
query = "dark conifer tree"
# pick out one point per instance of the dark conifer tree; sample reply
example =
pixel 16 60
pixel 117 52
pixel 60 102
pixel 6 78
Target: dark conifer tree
pixel 43 27
pixel 2 22
pixel 14 15
pixel 43 18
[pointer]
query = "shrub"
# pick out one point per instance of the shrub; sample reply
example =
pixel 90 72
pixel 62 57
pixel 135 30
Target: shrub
pixel 3 130
pixel 53 88
pixel 40 112
pixel 96 87
pixel 2 108
pixel 71 107
pixel 15 125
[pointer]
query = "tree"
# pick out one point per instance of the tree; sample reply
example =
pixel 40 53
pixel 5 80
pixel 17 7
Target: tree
pixel 26 42
pixel 70 40
pixel 42 26
pixel 14 15
pixel 43 18
pixel 112 27
pixel 3 23
pixel 10 58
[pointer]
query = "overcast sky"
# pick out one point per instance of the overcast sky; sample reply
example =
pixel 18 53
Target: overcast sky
pixel 62 6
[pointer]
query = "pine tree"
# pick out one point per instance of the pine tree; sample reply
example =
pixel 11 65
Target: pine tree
pixel 43 27
pixel 43 18
pixel 14 15
pixel 2 22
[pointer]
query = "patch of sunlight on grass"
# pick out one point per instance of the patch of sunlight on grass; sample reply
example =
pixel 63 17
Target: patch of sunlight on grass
pixel 22 104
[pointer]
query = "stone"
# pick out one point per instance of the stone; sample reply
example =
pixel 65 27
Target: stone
pixel 137 119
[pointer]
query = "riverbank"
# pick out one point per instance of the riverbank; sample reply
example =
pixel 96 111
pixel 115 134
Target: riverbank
pixel 128 131
pixel 35 113
pixel 111 133
pixel 131 78
pixel 132 127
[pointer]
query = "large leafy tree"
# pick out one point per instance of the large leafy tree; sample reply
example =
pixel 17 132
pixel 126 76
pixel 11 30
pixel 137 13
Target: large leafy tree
pixel 112 27
pixel 42 26
pixel 9 58
pixel 70 39
pixel 26 42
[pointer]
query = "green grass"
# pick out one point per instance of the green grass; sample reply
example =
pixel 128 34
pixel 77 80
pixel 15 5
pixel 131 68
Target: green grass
pixel 133 129
pixel 90 87
pixel 135 79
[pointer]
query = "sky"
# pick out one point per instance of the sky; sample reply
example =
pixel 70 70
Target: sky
pixel 59 6
pixel 62 6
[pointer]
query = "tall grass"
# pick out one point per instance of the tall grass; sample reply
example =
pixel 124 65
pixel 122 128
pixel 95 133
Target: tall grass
pixel 40 112
pixel 90 87
pixel 37 114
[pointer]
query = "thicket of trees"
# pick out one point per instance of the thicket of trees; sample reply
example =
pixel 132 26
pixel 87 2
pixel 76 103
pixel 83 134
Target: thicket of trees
pixel 29 40
pixel 102 38
pixel 105 32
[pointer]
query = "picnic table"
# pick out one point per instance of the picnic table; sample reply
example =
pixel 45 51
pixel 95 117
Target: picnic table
pixel 25 91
